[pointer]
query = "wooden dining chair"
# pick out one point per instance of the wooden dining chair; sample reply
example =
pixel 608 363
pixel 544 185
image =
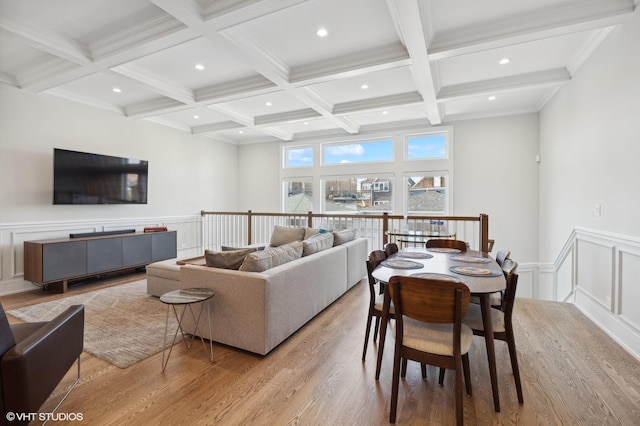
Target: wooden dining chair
pixel 375 298
pixel 390 249
pixel 444 243
pixel 429 329
pixel 502 324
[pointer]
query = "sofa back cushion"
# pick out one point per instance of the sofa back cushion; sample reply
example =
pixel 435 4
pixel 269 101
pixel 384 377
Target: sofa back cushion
pixel 344 236
pixel 286 234
pixel 230 259
pixel 317 243
pixel 269 258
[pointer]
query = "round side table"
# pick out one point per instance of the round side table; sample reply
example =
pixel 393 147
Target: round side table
pixel 186 297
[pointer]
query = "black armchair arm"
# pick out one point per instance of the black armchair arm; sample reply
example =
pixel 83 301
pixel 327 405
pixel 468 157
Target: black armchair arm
pixel 32 369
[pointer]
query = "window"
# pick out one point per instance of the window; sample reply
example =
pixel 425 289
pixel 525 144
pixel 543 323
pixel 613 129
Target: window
pixel 298 156
pixel 432 146
pixel 358 152
pixel 427 194
pixel 360 194
pixel 298 196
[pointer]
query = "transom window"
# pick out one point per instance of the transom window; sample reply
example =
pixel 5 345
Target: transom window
pixel 431 146
pixel 299 156
pixel 357 152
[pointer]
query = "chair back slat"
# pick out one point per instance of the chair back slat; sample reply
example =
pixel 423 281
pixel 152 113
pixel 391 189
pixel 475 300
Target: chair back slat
pixel 427 300
pixel 510 294
pixel 501 256
pixel 444 243
pixel 390 249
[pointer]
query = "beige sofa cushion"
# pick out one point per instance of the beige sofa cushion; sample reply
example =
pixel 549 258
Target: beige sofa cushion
pixel 260 261
pixel 317 243
pixel 344 236
pixel 229 259
pixel 285 235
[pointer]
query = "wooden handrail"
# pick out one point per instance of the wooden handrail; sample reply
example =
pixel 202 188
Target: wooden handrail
pixel 385 224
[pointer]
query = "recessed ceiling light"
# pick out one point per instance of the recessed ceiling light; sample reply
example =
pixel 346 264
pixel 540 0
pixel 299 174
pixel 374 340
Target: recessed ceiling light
pixel 504 61
pixel 385 112
pixel 117 90
pixel 199 67
pixel 241 131
pixel 322 32
pixel 306 123
pixel 268 104
pixel 492 98
pixel 365 86
pixel 196 116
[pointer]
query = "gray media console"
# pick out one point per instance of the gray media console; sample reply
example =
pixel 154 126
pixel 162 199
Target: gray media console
pixel 52 263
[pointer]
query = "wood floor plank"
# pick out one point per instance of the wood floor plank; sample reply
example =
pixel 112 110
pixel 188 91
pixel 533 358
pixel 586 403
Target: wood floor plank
pixel 572 373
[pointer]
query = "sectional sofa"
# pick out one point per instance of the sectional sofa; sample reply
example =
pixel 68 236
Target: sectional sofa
pixel 254 308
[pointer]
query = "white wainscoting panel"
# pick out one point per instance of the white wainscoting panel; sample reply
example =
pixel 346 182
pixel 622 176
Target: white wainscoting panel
pixel 629 287
pixel 564 278
pixel 595 270
pixel 607 291
pixel 526 278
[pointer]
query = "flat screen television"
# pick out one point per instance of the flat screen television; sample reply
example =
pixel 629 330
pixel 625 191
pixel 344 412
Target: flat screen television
pixel 84 178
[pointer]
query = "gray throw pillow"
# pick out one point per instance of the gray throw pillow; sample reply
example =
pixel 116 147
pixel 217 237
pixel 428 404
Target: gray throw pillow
pixel 231 259
pixel 286 234
pixel 344 236
pixel 317 243
pixel 270 258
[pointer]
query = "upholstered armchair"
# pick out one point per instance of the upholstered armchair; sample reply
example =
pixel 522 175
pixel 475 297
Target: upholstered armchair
pixel 34 357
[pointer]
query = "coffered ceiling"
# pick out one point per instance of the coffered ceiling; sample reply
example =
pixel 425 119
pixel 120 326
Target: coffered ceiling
pixel 267 75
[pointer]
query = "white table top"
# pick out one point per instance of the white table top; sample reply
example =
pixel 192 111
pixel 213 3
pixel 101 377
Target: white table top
pixel 441 263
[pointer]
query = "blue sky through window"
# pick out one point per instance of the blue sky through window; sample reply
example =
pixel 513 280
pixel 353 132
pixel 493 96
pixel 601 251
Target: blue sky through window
pixel 299 157
pixel 427 146
pixel 358 152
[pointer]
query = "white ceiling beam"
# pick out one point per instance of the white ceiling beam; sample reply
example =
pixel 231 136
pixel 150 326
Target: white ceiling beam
pixel 52 73
pixel 547 78
pixel 286 117
pixel 236 89
pixel 153 107
pixel 365 62
pixel 530 26
pixel 47 41
pixel 145 38
pixel 72 96
pixel 228 13
pixel 391 101
pixel 216 127
pixel 406 17
pixel 156 84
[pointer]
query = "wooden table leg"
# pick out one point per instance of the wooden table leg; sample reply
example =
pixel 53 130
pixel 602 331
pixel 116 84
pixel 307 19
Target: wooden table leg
pixel 485 306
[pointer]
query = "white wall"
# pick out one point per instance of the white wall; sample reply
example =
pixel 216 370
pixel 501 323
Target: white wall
pixel 496 173
pixel 590 148
pixel 590 145
pixel 185 171
pixel 259 177
pixel 186 174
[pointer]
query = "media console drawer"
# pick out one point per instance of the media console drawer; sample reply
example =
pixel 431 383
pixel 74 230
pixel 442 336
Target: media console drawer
pixel 61 260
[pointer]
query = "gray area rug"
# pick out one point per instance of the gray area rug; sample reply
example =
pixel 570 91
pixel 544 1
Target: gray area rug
pixel 123 324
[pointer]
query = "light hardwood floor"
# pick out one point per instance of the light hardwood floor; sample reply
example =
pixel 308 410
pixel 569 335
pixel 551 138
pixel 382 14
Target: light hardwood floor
pixel 572 374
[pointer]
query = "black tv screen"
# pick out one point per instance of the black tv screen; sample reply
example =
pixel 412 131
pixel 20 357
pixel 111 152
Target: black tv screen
pixel 84 178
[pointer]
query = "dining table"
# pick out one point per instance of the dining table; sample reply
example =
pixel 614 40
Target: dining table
pixel 478 270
